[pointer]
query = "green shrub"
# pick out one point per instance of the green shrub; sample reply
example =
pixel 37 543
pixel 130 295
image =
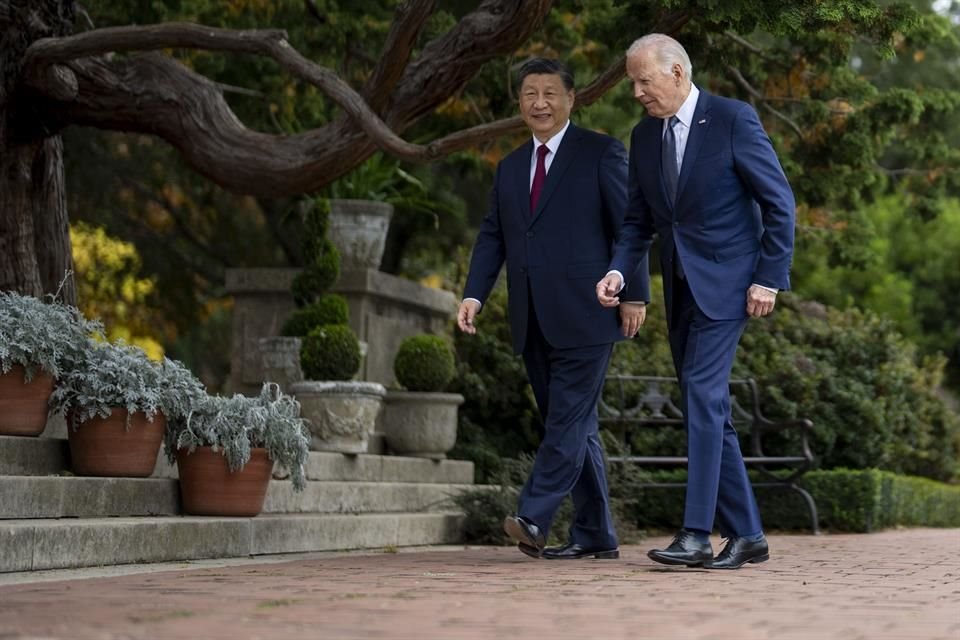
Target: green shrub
pixel 873 401
pixel 330 352
pixel 860 500
pixel 317 277
pixel 329 309
pixel 424 363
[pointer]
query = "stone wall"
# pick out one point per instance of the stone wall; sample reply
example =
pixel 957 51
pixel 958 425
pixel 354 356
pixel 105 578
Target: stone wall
pixel 384 309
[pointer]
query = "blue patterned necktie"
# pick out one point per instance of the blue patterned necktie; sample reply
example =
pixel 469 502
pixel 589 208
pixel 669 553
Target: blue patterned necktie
pixel 668 160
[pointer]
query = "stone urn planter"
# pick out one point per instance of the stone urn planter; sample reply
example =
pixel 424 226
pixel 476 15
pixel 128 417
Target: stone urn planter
pixel 421 424
pixel 341 415
pixel 280 356
pixel 359 228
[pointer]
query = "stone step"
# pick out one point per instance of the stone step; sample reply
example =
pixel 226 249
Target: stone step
pixel 360 497
pixel 20 456
pixel 33 545
pixel 377 468
pixel 81 497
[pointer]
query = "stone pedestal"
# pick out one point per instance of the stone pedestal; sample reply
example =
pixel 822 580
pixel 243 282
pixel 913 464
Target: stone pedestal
pixel 384 309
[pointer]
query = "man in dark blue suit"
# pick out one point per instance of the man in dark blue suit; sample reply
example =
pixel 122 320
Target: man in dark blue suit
pixel 705 179
pixel 555 208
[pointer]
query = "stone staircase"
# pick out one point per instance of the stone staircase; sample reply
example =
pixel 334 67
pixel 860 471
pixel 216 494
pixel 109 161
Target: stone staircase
pixel 50 519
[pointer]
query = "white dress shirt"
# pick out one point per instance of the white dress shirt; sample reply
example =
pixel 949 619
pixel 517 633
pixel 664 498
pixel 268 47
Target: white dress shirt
pixel 552 145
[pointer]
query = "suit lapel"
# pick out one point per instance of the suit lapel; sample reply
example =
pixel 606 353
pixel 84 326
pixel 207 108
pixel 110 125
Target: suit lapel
pixel 519 172
pixel 565 155
pixel 698 132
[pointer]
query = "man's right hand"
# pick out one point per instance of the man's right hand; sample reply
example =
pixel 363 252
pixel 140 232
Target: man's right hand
pixel 608 288
pixel 465 315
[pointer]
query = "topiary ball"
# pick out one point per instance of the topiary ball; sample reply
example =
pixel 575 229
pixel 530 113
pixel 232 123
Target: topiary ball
pixel 330 352
pixel 329 309
pixel 424 363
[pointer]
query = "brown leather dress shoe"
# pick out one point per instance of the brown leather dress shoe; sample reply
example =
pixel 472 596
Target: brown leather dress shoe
pixel 684 550
pixel 574 551
pixel 529 538
pixel 739 551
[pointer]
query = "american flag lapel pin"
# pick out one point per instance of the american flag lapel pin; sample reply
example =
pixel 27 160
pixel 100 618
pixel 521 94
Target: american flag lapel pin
pixel 704 121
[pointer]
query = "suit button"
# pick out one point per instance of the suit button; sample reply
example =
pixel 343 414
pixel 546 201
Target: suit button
pixel 676 224
pixel 529 234
pixel 523 269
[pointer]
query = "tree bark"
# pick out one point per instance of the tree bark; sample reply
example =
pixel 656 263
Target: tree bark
pixel 35 254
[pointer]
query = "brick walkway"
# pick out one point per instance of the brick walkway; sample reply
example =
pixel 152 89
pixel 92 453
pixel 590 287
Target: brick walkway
pixel 889 585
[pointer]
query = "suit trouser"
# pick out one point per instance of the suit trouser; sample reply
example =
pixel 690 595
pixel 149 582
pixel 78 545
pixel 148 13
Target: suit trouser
pixel 718 488
pixel 567 384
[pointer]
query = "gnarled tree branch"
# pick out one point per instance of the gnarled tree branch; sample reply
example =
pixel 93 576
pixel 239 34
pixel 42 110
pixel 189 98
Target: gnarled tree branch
pixel 408 22
pixel 154 94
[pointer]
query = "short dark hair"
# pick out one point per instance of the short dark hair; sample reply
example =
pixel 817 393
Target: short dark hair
pixel 549 66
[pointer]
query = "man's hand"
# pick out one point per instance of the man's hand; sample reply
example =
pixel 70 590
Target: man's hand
pixel 760 301
pixel 465 315
pixel 607 290
pixel 632 315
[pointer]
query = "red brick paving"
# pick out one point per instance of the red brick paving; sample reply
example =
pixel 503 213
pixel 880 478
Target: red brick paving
pixel 890 585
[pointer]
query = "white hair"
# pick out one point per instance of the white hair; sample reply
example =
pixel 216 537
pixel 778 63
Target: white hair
pixel 666 51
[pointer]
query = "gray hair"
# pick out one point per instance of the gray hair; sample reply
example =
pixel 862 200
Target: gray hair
pixel 666 51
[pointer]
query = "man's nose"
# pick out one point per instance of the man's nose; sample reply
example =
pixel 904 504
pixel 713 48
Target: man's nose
pixel 638 91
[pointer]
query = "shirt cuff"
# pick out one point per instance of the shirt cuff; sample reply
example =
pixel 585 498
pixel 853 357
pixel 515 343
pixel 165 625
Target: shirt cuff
pixel 479 304
pixel 622 283
pixel 770 289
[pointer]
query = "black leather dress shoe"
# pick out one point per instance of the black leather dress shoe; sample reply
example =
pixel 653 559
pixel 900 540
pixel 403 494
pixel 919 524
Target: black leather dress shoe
pixel 684 550
pixel 573 551
pixel 740 551
pixel 529 538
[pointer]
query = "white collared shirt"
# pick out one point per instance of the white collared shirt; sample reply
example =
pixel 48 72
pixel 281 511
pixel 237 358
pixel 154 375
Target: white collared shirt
pixel 682 129
pixel 552 144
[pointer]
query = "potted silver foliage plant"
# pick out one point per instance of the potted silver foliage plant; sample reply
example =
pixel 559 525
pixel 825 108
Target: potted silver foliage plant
pixel 39 340
pixel 225 449
pixel 116 401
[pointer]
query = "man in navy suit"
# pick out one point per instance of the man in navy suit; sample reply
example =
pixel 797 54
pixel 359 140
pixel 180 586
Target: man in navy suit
pixel 705 178
pixel 555 208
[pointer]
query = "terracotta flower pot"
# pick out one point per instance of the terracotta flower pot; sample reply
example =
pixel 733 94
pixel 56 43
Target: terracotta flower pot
pixel 106 447
pixel 209 488
pixel 23 407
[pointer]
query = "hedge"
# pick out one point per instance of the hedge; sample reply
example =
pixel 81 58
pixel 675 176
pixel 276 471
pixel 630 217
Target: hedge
pixel 860 500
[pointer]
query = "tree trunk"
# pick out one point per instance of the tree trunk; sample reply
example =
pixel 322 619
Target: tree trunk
pixel 35 253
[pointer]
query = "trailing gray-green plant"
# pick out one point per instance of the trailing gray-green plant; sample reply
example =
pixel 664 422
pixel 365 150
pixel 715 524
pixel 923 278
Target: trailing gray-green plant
pixel 237 424
pixel 120 376
pixel 41 336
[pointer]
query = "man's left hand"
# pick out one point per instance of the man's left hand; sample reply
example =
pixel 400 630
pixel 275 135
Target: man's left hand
pixel 632 315
pixel 760 301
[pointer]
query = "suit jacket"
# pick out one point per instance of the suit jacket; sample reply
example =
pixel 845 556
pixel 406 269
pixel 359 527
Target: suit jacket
pixel 733 220
pixel 556 254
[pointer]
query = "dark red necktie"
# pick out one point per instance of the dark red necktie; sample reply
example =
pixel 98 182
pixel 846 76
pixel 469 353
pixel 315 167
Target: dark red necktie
pixel 539 176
